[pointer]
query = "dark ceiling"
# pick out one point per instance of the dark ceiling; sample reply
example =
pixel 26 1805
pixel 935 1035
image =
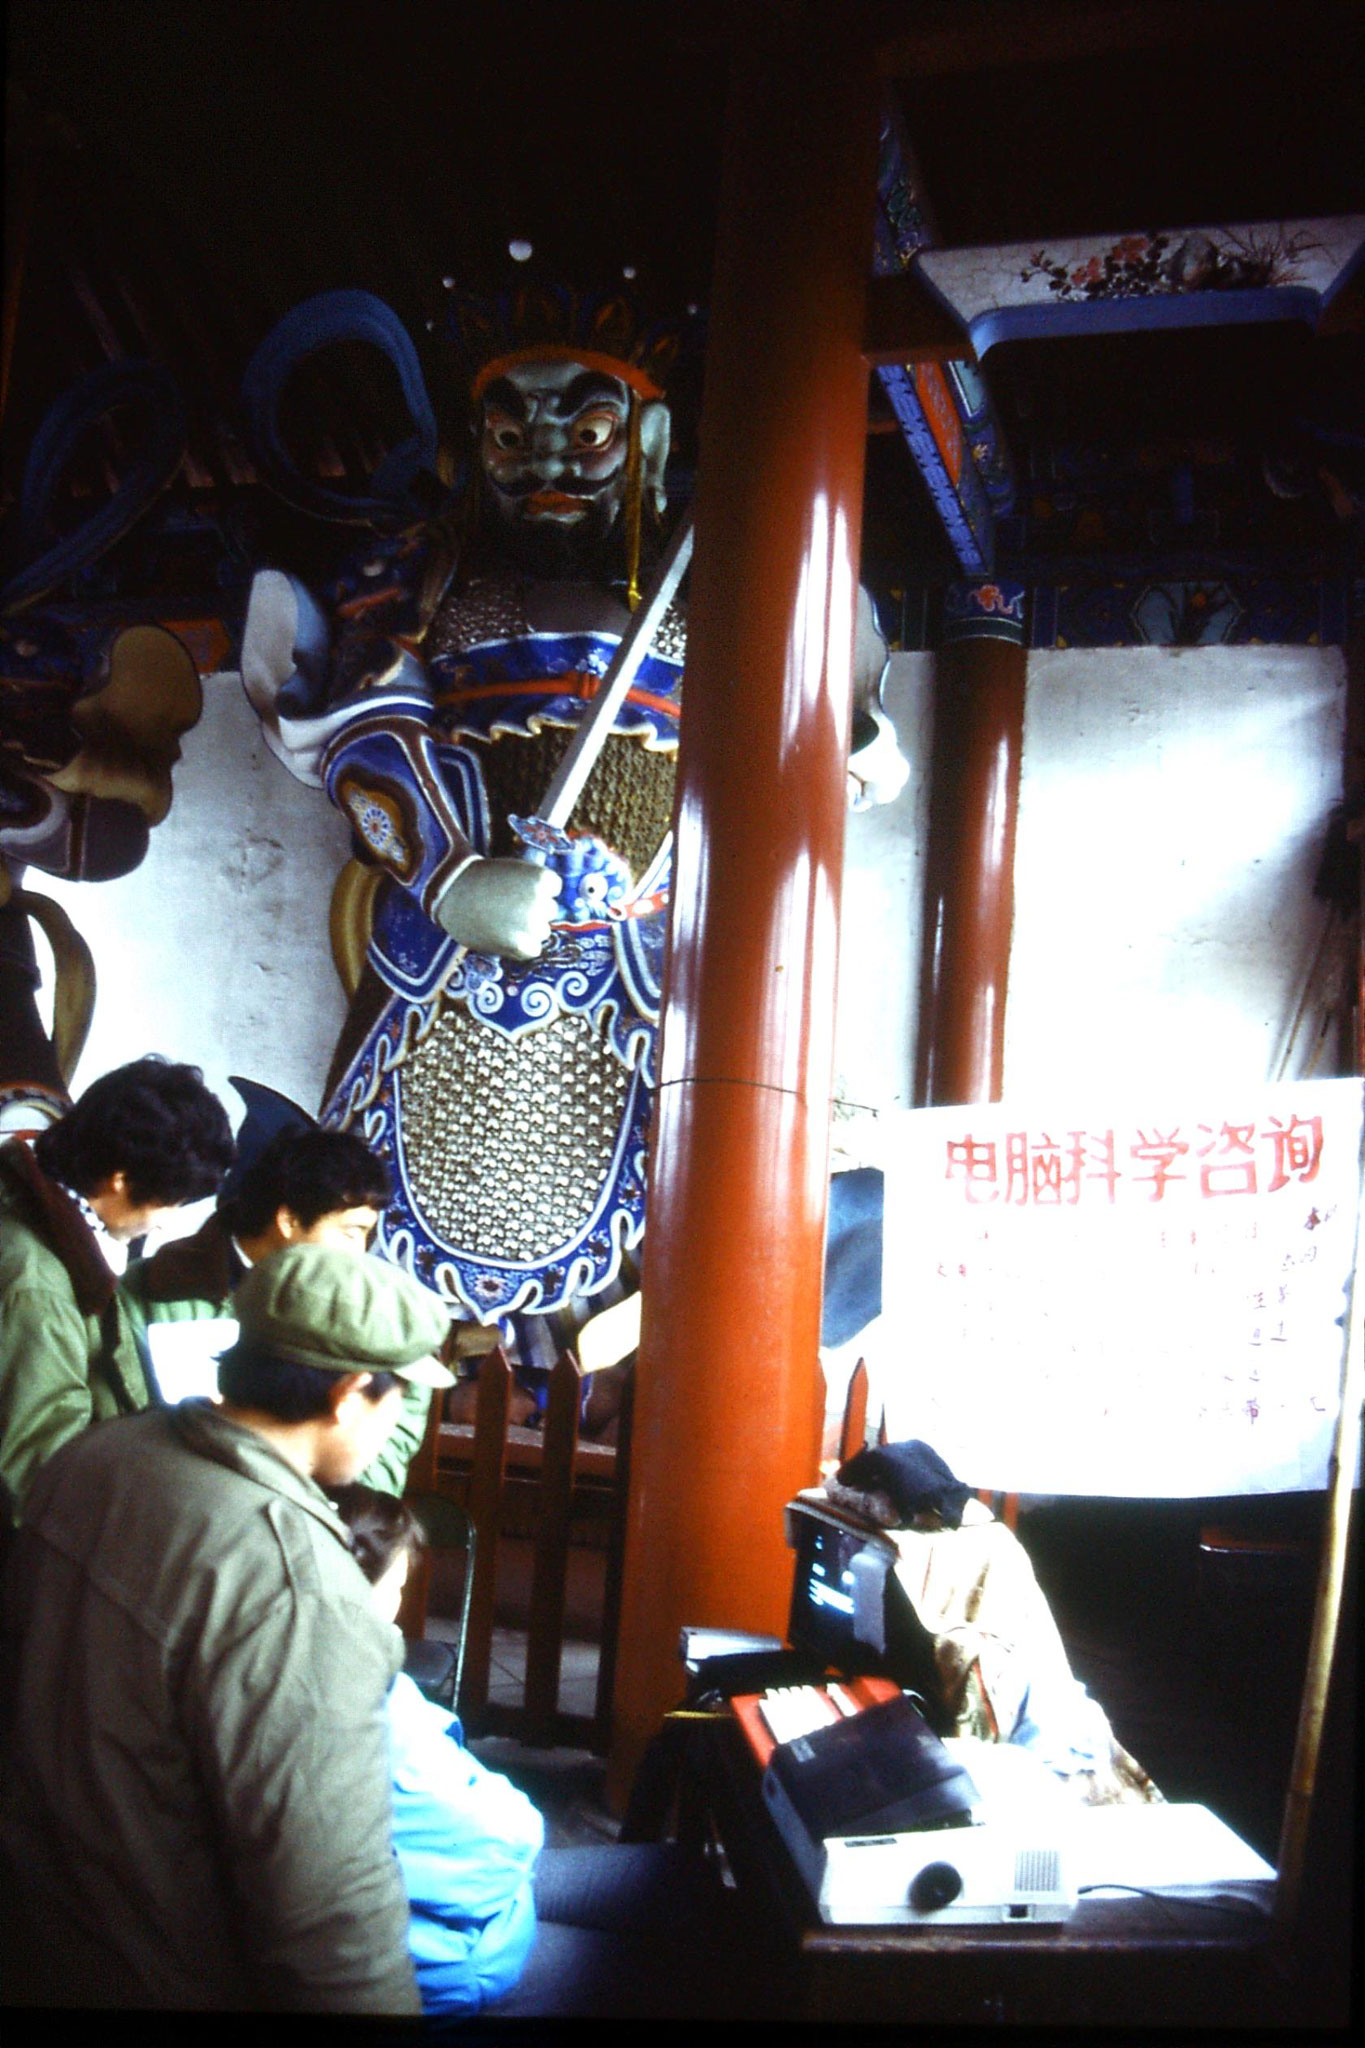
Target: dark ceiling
pixel 196 169
pixel 1258 118
pixel 299 145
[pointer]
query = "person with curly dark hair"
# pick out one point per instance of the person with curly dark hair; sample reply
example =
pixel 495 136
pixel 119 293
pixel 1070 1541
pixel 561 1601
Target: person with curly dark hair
pixel 144 1138
pixel 308 1185
pixel 141 1141
pixel 305 1186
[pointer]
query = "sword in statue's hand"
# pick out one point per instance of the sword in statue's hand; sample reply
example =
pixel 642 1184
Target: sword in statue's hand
pixel 546 833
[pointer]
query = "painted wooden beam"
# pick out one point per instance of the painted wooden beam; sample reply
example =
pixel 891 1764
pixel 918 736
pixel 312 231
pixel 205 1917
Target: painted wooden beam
pixel 926 368
pixel 1145 278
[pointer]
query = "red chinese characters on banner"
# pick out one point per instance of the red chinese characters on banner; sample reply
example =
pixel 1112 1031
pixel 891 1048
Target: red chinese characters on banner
pixel 1160 1150
pixel 1040 1170
pixel 1297 1148
pixel 1049 1172
pixel 1211 1163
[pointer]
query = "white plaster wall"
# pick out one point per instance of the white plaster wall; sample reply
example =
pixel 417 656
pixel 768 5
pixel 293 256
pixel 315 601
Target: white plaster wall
pixel 215 950
pixel 1172 810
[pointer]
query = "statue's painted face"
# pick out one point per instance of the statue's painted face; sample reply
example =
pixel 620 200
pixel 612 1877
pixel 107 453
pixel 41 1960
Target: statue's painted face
pixel 553 443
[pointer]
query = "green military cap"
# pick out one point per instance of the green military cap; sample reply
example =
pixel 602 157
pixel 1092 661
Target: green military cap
pixel 313 1304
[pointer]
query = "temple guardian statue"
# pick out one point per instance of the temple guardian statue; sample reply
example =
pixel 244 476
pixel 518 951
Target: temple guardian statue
pixel 499 1048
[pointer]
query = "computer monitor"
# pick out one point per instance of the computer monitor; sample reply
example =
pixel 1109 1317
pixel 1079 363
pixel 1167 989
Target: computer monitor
pixel 849 1609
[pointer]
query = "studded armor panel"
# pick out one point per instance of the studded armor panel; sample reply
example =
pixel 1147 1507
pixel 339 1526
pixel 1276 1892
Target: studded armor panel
pixel 490 610
pixel 627 803
pixel 518 1185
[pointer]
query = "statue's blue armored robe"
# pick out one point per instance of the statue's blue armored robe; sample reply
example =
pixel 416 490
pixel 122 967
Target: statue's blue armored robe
pixel 512 1099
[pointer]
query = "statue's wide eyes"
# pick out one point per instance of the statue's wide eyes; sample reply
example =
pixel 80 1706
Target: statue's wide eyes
pixel 595 429
pixel 504 433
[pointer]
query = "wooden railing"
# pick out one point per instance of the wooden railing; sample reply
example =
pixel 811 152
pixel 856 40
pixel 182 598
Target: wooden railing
pixel 556 1479
pixel 564 1480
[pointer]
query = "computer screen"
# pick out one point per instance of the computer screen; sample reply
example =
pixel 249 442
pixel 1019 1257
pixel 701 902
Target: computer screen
pixel 849 1608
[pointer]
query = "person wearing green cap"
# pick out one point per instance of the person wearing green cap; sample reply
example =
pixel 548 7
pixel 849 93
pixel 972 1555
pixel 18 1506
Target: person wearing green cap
pixel 194 1792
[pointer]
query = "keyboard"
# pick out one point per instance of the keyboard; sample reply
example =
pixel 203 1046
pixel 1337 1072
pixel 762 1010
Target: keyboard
pixel 794 1710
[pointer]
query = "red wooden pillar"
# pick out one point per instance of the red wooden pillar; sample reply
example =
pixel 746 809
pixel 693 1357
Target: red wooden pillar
pixel 728 1399
pixel 974 804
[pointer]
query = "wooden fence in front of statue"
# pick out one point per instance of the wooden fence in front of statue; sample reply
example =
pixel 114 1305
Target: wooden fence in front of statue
pixel 563 1491
pixel 560 1489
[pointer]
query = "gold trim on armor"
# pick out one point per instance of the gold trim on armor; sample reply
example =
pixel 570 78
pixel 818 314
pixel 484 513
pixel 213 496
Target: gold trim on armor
pixel 350 920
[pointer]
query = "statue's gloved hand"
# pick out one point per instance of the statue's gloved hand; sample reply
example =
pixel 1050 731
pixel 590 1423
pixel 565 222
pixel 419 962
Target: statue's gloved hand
pixel 500 906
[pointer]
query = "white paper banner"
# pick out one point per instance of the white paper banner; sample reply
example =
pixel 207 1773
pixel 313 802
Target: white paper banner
pixel 1142 1301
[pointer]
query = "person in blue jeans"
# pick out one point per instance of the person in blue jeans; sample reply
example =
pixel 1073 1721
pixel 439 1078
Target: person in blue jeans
pixel 466 1839
pixel 500 1924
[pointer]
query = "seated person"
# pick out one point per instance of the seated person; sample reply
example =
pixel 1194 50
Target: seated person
pixel 307 1186
pixel 465 1838
pixel 1002 1667
pixel 609 1930
pixel 141 1141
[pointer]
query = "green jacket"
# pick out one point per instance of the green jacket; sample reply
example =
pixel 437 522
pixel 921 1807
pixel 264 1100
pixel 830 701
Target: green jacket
pixel 193 1278
pixel 68 1356
pixel 195 1806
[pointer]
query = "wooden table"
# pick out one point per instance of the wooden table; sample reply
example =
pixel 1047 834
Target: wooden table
pixel 1117 1962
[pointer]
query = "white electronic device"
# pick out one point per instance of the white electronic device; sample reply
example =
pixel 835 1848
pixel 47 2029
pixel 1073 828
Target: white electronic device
pixel 184 1357
pixel 1031 1864
pixel 972 1876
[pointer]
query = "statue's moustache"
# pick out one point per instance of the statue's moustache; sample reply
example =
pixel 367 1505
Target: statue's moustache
pixel 567 485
